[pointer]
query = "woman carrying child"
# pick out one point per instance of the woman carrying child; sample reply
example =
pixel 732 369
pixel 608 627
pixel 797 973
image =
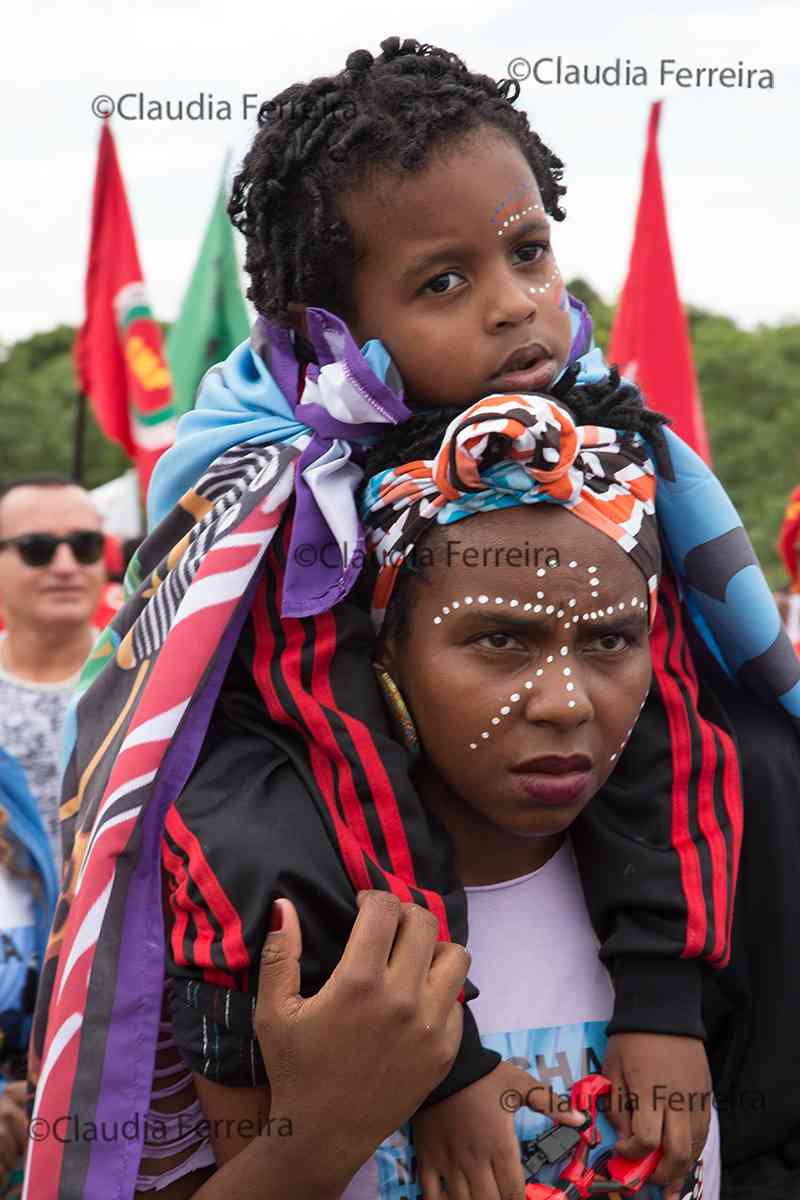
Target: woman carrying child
pixel 417 217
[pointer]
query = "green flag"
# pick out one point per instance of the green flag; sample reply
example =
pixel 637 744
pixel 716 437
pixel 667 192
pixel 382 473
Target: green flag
pixel 213 317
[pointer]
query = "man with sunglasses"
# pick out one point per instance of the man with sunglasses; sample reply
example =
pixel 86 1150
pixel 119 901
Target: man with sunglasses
pixel 51 576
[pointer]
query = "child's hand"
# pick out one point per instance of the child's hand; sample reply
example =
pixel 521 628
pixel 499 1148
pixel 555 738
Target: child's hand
pixel 652 1068
pixel 469 1139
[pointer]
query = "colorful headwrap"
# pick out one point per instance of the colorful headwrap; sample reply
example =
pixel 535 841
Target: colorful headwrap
pixel 603 476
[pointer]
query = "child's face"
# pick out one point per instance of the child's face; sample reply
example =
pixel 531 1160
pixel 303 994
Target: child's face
pixel 456 275
pixel 504 667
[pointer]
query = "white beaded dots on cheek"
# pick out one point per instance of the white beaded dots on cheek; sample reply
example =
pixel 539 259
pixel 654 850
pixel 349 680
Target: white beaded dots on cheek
pixel 624 742
pixel 548 284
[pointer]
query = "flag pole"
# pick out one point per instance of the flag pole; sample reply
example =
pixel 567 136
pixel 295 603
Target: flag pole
pixel 78 438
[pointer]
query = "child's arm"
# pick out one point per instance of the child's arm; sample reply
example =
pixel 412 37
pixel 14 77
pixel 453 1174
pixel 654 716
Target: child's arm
pixel 669 1084
pixel 249 826
pixel 469 1140
pixel 658 852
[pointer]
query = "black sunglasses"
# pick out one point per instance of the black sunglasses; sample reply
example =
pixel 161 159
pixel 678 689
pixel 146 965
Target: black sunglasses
pixel 38 549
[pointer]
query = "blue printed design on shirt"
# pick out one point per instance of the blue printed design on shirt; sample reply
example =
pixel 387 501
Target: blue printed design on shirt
pixel 558 1057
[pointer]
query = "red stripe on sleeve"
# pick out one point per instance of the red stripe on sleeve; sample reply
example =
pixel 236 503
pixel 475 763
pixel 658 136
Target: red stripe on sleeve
pixel 681 742
pixel 206 882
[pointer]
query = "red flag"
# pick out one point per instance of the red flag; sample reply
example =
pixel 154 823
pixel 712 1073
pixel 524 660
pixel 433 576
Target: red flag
pixel 650 337
pixel 119 356
pixel 789 538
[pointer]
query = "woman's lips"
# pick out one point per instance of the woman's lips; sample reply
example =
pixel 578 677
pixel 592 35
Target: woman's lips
pixel 537 378
pixel 547 788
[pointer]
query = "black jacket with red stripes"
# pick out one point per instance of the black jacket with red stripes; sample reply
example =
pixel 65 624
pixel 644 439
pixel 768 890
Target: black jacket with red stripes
pixel 301 791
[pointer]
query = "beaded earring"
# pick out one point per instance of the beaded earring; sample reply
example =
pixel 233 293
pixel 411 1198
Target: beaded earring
pixel 398 710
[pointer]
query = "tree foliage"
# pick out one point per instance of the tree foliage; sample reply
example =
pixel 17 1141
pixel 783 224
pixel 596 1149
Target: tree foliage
pixel 750 385
pixel 748 381
pixel 38 406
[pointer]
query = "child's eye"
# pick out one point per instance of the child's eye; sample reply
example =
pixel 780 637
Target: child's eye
pixel 433 287
pixel 532 251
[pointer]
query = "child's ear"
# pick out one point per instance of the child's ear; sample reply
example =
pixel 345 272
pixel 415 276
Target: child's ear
pixel 297 318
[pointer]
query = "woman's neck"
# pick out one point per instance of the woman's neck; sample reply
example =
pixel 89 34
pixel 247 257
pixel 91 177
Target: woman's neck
pixel 484 853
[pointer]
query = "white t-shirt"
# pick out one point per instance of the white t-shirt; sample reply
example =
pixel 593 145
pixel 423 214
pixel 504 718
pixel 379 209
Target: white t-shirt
pixel 545 999
pixel 31 724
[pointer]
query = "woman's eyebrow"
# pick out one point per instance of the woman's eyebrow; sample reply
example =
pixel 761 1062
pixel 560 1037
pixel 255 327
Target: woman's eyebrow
pixel 536 227
pixel 519 619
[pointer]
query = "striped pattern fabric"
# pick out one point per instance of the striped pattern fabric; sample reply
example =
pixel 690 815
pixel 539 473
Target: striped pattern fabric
pixel 706 795
pixel 103 977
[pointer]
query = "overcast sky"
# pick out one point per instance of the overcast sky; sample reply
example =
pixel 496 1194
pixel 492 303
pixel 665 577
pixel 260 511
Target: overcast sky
pixel 729 155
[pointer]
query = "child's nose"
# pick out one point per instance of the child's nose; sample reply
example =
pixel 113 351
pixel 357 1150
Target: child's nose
pixel 510 301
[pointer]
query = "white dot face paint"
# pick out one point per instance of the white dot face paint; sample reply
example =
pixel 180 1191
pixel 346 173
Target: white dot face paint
pixel 541 290
pixel 505 708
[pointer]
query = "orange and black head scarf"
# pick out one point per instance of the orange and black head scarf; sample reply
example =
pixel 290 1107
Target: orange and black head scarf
pixel 508 450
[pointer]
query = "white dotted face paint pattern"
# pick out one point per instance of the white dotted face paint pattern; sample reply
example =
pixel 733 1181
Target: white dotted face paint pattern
pixel 546 288
pixel 566 672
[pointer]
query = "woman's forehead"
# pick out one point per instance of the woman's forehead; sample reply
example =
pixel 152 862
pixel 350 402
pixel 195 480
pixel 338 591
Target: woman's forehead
pixel 517 553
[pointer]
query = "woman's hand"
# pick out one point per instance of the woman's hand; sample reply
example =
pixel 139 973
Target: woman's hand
pixel 354 1061
pixel 350 1065
pixel 669 1083
pixel 13 1127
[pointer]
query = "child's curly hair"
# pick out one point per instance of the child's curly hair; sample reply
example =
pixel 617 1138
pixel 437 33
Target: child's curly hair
pixel 320 139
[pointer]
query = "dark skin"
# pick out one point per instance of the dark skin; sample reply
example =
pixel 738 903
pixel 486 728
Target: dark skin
pixel 450 321
pixel 448 326
pixel 455 676
pixel 393 1003
pixel 458 674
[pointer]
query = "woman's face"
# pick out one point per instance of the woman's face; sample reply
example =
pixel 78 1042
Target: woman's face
pixel 524 678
